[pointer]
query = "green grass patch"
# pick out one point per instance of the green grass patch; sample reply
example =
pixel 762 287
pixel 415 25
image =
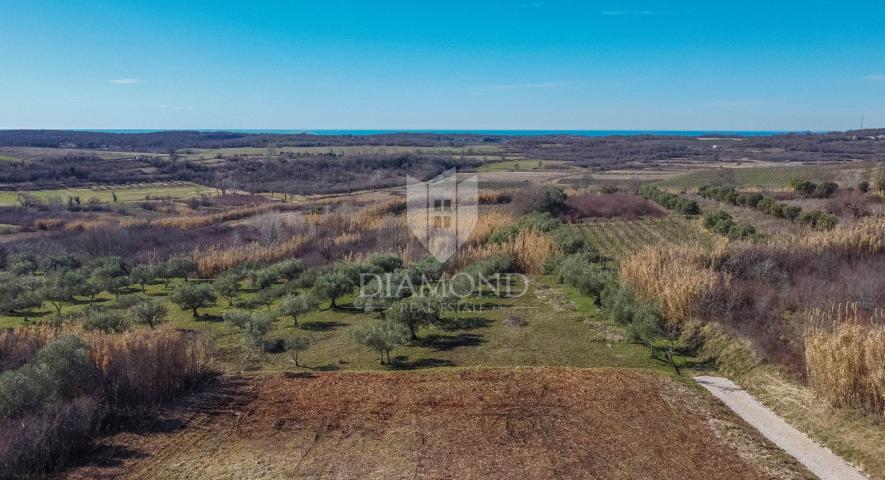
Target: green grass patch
pixel 520 165
pixel 105 194
pixel 559 328
pixel 761 177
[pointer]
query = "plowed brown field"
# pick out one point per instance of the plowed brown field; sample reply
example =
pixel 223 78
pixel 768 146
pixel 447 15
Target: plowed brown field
pixel 453 424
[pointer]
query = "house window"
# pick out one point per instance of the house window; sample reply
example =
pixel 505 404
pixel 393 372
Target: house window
pixel 442 221
pixel 440 205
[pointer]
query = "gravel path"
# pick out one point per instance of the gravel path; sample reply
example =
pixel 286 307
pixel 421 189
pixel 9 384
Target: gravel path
pixel 817 459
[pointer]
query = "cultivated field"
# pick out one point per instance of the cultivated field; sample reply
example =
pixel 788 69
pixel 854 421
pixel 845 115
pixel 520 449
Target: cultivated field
pixel 770 177
pixel 106 193
pixel 620 238
pixel 466 424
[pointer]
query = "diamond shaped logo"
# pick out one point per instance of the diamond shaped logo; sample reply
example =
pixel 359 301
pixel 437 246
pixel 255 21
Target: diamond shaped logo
pixel 442 212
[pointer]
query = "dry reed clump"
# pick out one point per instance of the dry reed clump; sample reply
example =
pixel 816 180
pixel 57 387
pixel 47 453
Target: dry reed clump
pixel 680 278
pixel 529 249
pixel 845 356
pixel 383 211
pixel 867 236
pixel 204 220
pixel 216 259
pixel 141 369
pixel 19 345
pixel 490 220
pixel 48 223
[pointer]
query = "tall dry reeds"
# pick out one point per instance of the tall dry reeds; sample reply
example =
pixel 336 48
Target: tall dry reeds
pixel 216 259
pixel 203 219
pixel 134 372
pixel 529 249
pixel 845 359
pixel 141 369
pixel 680 278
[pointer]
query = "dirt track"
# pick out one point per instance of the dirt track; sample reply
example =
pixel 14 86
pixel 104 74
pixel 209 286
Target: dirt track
pixel 461 424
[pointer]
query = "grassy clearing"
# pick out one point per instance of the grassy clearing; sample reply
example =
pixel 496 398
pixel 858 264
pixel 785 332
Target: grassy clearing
pixel 563 328
pixel 105 194
pixel 620 238
pixel 210 153
pixel 520 165
pixel 767 177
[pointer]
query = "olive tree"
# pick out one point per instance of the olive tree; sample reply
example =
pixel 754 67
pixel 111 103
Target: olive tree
pixel 227 285
pixel 179 267
pixel 295 305
pixel 414 312
pixel 142 275
pixel 332 286
pixel 19 293
pixel 150 312
pixel 193 296
pixel 382 336
pixel 61 286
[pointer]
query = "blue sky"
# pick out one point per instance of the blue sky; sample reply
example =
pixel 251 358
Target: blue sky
pixel 520 64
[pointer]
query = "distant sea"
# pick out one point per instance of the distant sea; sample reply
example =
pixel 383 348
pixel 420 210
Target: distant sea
pixel 585 133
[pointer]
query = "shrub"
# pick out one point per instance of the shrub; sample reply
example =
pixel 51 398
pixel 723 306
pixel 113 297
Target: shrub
pixel 805 188
pixel 551 201
pixel 670 201
pixel 60 370
pixel 386 262
pixel 581 272
pixel 427 269
pixel 21 263
pixel 287 269
pixel 59 262
pixel 826 189
pixel 818 220
pixel 104 320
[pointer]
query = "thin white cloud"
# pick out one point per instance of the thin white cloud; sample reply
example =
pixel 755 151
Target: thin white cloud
pixel 646 13
pixel 125 81
pixel 175 107
pixel 525 86
pixel 877 77
pixel 736 103
pixel 528 5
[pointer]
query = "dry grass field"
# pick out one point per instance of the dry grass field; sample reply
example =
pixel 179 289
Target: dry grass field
pixel 464 424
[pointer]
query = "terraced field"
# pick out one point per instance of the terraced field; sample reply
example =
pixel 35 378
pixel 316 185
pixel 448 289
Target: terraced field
pixel 770 177
pixel 105 193
pixel 618 238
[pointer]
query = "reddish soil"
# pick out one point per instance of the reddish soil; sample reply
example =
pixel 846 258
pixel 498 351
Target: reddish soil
pixel 462 424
